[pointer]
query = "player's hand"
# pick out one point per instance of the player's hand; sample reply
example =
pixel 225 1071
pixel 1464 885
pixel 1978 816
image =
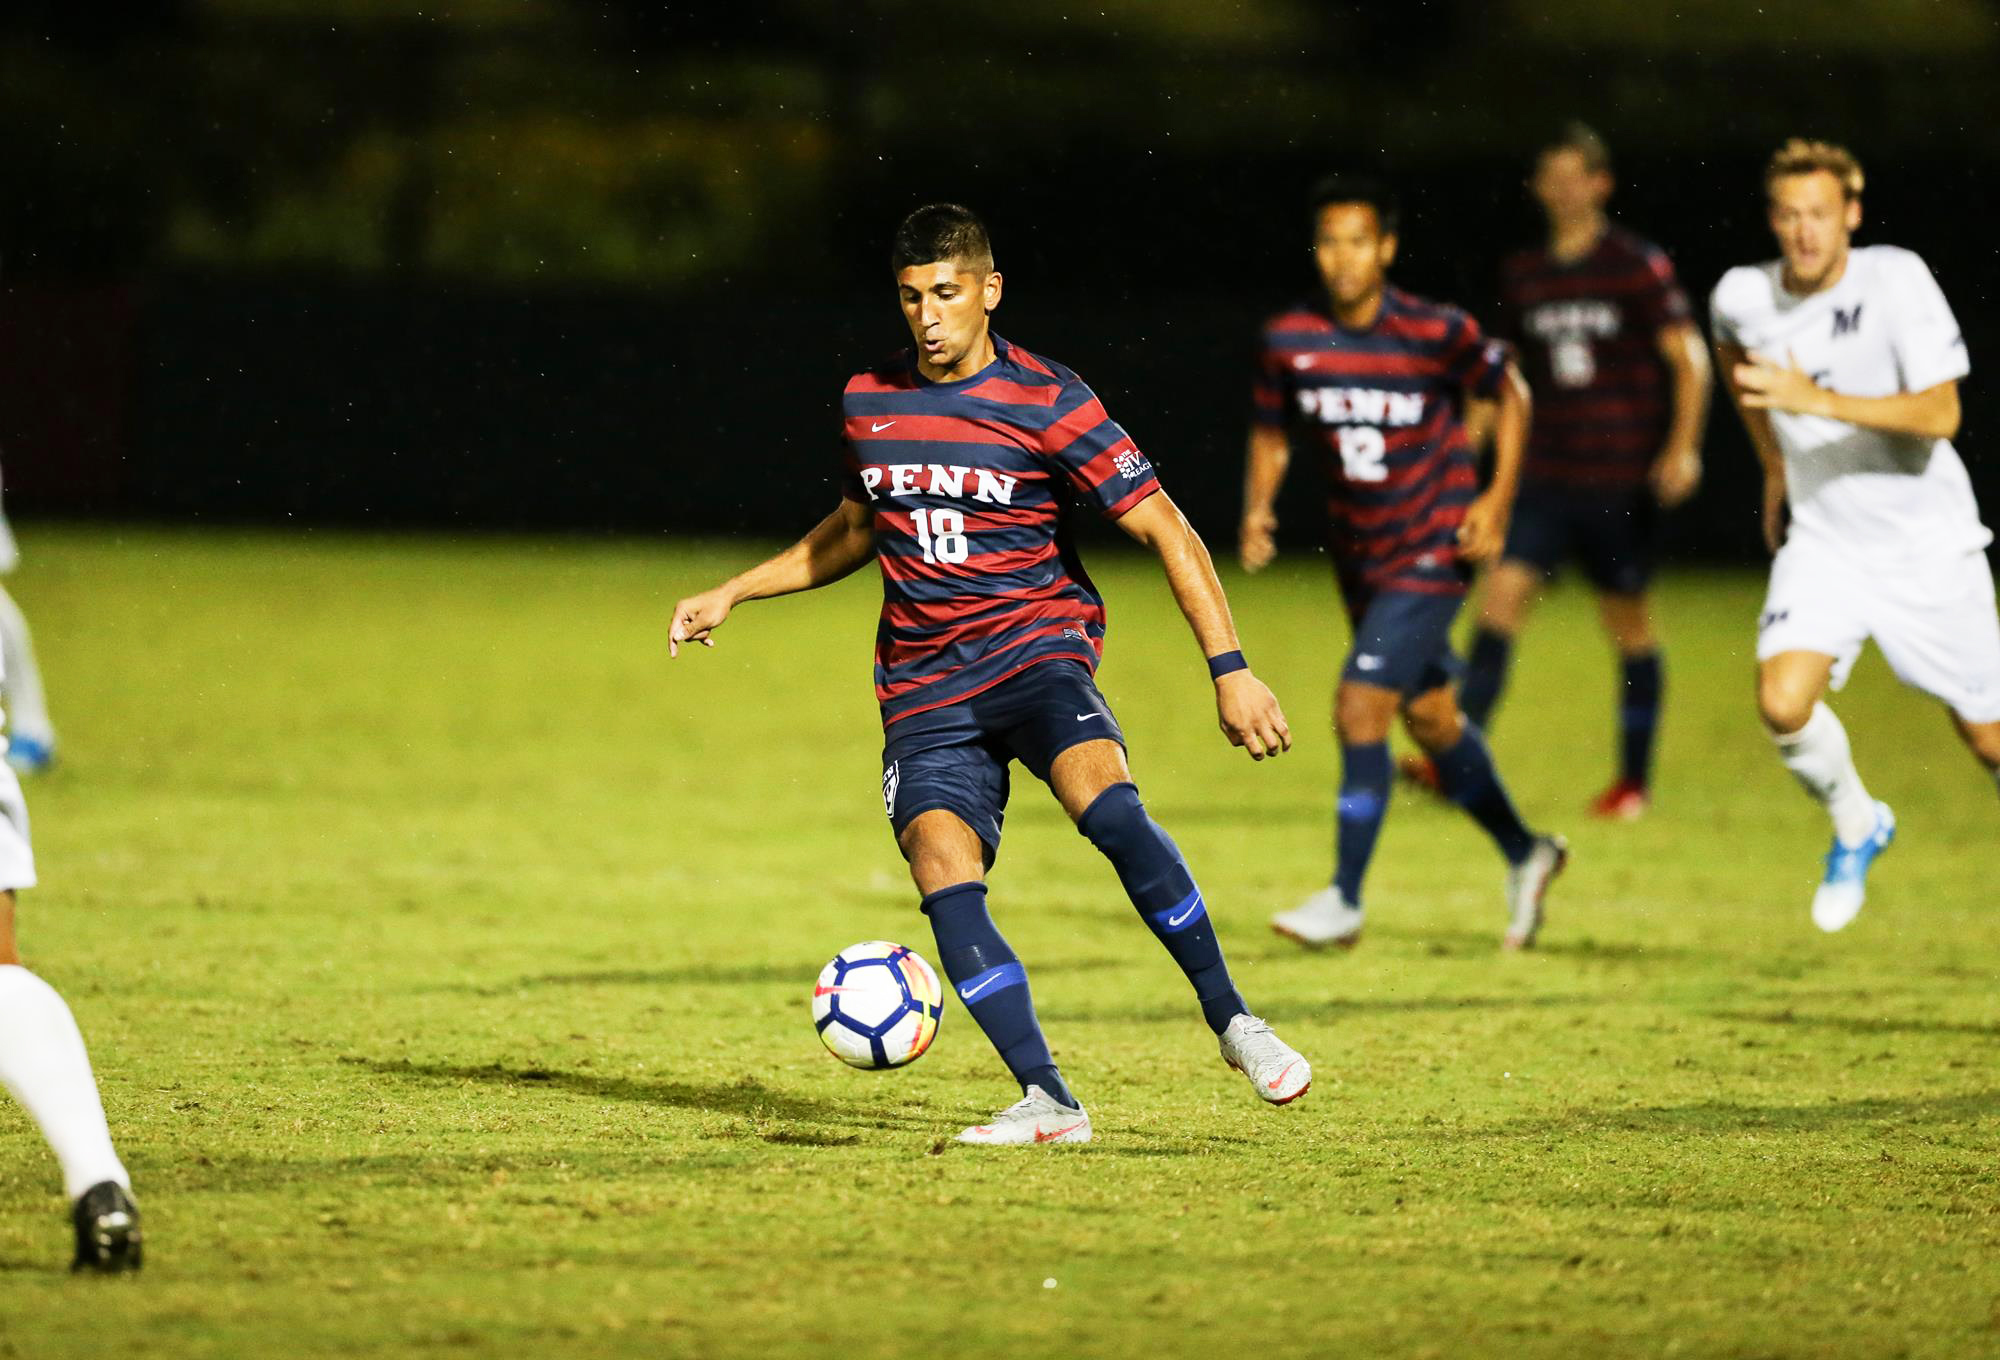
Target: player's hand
pixel 695 618
pixel 1766 385
pixel 1255 541
pixel 1250 715
pixel 1674 476
pixel 1776 514
pixel 1484 532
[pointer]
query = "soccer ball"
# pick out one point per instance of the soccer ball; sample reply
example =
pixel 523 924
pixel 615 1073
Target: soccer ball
pixel 877 1004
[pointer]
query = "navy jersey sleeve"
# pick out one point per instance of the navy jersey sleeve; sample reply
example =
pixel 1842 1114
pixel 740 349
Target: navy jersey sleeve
pixel 1471 359
pixel 1268 405
pixel 1098 460
pixel 1661 302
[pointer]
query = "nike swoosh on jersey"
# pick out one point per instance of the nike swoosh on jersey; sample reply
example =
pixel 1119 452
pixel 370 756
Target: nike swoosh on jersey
pixel 873 428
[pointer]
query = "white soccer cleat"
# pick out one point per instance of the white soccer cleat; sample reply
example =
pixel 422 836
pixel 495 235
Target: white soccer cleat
pixel 1527 886
pixel 1037 1117
pixel 1277 1071
pixel 1845 887
pixel 1324 918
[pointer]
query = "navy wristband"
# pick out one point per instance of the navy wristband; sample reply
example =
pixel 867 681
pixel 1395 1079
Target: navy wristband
pixel 1219 666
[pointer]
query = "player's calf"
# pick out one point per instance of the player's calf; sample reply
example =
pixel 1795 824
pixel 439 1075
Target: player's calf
pixel 1983 740
pixel 993 986
pixel 1157 881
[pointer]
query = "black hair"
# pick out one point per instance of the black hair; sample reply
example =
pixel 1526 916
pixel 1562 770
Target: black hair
pixel 1359 189
pixel 1582 139
pixel 942 231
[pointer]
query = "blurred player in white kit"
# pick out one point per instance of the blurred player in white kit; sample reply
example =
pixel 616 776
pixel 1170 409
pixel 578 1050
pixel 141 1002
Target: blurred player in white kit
pixel 31 745
pixel 1844 363
pixel 43 1063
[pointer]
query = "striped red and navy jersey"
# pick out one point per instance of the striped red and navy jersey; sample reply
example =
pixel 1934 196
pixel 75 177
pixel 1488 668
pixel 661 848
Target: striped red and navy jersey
pixel 967 481
pixel 1385 405
pixel 1588 333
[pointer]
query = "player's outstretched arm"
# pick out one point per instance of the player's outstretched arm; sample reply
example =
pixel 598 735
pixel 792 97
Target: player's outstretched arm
pixel 1762 383
pixel 1244 705
pixel 1264 464
pixel 1676 473
pixel 836 546
pixel 1484 532
pixel 1757 423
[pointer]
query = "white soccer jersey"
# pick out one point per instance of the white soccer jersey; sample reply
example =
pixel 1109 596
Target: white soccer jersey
pixel 1884 328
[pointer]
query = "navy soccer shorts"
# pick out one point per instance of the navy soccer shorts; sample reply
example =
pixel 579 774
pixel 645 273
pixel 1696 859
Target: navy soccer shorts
pixel 1613 537
pixel 1402 641
pixel 956 757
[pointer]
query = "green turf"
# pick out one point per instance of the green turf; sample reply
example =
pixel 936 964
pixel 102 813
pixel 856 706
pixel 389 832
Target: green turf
pixel 445 954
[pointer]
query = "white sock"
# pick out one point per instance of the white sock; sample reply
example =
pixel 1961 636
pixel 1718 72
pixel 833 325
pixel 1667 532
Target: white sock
pixel 43 1062
pixel 1819 758
pixel 20 677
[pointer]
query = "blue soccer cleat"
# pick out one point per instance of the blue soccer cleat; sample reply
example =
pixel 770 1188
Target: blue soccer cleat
pixel 1845 887
pixel 29 756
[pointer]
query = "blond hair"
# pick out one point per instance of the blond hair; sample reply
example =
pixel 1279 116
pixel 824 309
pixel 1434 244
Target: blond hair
pixel 1803 156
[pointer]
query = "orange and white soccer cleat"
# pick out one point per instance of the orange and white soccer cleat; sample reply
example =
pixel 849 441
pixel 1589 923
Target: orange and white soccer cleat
pixel 1276 1071
pixel 1036 1118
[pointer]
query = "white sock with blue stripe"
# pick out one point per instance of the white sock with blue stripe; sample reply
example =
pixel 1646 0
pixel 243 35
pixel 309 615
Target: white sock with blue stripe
pixel 1820 758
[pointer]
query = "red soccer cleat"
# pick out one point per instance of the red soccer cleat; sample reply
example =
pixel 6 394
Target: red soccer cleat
pixel 1420 771
pixel 1622 802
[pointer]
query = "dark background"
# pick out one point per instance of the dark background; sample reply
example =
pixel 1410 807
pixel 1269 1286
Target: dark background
pixel 604 266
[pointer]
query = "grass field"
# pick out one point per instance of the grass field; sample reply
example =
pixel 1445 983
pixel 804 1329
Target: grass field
pixel 446 955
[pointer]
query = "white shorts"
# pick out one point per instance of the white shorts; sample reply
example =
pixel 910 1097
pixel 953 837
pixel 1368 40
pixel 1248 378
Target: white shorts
pixel 1935 621
pixel 17 857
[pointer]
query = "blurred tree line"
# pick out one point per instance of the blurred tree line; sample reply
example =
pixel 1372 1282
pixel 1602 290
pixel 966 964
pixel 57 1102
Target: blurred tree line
pixel 668 145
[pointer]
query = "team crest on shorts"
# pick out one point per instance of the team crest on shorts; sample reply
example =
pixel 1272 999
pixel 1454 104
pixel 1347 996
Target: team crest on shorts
pixel 891 778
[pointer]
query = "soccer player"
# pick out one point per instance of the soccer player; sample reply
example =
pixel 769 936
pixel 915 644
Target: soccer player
pixel 44 1065
pixel 1845 362
pixel 1377 381
pixel 1620 377
pixel 31 738
pixel 962 454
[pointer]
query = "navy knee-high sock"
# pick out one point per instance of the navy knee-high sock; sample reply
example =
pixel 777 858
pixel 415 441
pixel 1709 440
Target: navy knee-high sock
pixel 992 985
pixel 1485 674
pixel 1644 681
pixel 1468 777
pixel 1364 802
pixel 1157 880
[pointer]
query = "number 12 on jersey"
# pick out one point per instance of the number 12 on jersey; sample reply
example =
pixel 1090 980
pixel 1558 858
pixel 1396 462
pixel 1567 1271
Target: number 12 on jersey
pixel 1362 450
pixel 941 534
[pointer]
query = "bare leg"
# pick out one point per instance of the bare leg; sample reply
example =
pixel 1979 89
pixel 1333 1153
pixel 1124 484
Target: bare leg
pixel 1983 740
pixel 942 851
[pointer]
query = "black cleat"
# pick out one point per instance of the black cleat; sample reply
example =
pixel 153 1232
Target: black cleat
pixel 107 1230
